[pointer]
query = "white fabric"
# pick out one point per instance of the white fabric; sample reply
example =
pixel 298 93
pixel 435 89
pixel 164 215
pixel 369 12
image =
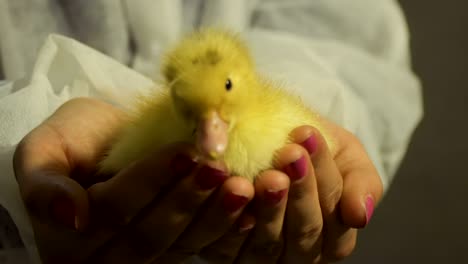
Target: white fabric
pixel 348 59
pixel 65 69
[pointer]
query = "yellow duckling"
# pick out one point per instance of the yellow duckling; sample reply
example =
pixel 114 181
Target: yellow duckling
pixel 216 100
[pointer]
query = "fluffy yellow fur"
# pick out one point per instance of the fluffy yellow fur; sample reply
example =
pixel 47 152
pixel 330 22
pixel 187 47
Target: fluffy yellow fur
pixel 260 113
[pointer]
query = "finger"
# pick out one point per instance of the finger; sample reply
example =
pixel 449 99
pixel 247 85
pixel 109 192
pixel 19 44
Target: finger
pixel 362 191
pixel 304 217
pixel 338 239
pixel 362 184
pixel 154 231
pixel 265 242
pixel 227 248
pixel 217 219
pixel 117 200
pixel 328 177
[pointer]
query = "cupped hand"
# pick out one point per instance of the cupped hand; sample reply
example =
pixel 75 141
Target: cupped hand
pixel 165 207
pixel 309 208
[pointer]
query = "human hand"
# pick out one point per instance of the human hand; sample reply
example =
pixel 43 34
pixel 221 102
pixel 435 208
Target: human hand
pixel 309 208
pixel 144 212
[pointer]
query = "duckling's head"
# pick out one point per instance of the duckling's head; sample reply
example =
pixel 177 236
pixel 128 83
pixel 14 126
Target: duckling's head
pixel 212 80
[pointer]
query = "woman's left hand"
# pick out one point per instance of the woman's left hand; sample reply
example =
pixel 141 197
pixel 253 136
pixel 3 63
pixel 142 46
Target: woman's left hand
pixel 309 208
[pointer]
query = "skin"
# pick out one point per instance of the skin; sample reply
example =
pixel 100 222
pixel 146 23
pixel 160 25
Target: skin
pixel 148 213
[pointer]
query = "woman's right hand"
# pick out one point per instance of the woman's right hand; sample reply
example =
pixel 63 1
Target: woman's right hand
pixel 145 212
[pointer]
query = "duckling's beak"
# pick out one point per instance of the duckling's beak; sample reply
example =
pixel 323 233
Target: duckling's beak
pixel 212 135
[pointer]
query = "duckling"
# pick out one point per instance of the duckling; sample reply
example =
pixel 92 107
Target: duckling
pixel 215 99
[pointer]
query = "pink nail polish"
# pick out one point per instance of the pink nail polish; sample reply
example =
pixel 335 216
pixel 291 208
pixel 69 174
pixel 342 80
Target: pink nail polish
pixel 297 169
pixel 233 202
pixel 274 197
pixel 310 144
pixel 369 208
pixel 209 178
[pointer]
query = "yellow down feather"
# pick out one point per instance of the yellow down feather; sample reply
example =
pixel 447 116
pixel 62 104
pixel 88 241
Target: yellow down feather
pixel 261 114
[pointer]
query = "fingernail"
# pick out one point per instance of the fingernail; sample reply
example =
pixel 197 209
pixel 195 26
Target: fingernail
pixel 246 228
pixel 208 178
pixel 297 169
pixel 233 202
pixel 246 223
pixel 369 208
pixel 182 165
pixel 274 197
pixel 310 144
pixel 64 212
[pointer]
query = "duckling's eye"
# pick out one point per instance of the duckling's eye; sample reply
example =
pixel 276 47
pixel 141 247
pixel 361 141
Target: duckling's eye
pixel 228 85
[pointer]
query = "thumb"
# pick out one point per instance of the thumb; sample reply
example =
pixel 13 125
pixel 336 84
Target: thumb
pixel 362 190
pixel 362 186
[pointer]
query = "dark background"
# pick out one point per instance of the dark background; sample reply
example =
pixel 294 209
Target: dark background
pixel 424 216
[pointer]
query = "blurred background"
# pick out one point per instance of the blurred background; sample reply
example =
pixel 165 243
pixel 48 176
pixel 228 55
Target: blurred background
pixel 424 216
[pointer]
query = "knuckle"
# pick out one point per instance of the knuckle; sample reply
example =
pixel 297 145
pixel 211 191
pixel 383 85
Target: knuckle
pixel 145 243
pixel 331 199
pixel 307 236
pixel 112 216
pixel 341 252
pixel 299 192
pixel 270 249
pixel 225 249
pixel 183 250
pixel 216 254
